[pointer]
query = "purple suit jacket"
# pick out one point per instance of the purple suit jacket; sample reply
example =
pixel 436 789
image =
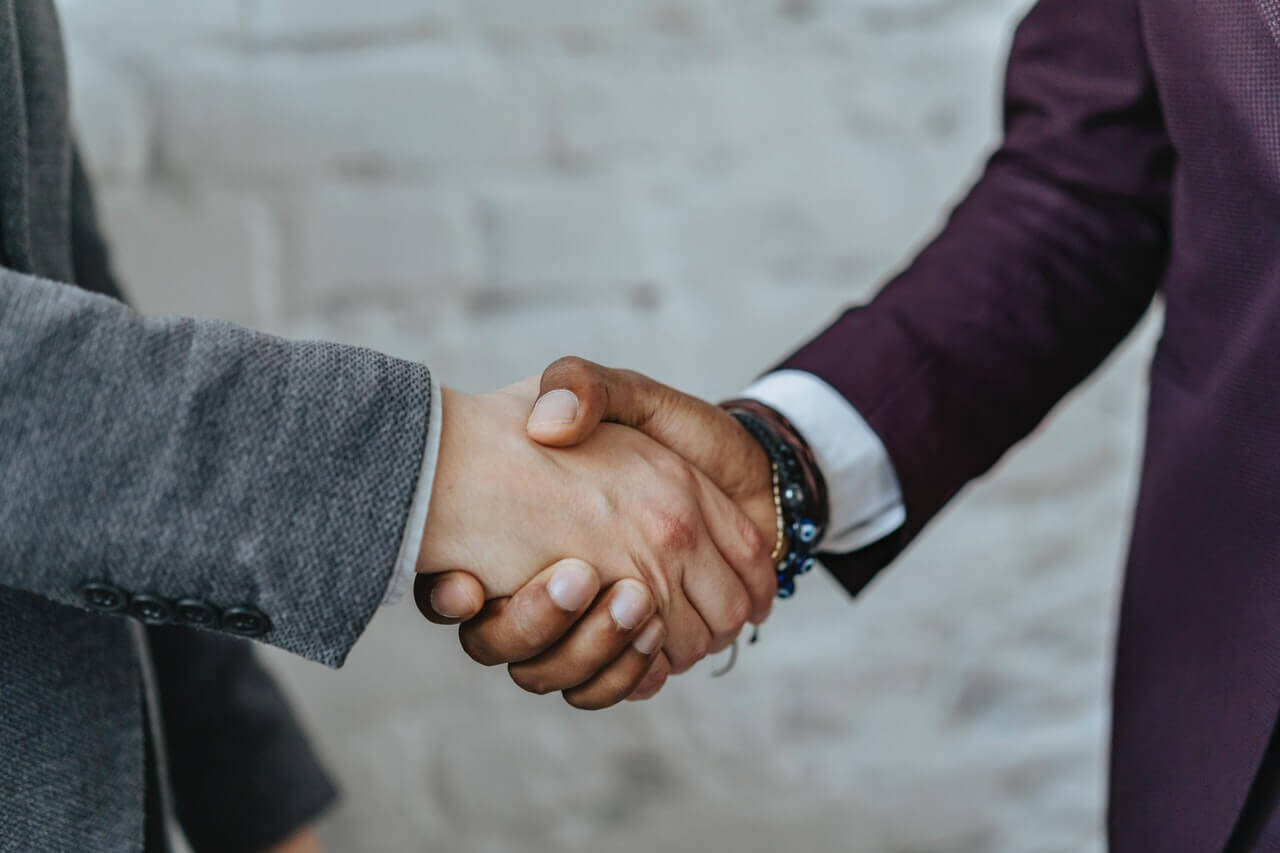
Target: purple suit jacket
pixel 1141 154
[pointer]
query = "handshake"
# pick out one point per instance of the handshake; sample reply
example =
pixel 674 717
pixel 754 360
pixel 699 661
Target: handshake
pixel 594 478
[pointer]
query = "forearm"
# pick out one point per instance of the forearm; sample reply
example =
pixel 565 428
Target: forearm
pixel 1038 275
pixel 965 353
pixel 194 459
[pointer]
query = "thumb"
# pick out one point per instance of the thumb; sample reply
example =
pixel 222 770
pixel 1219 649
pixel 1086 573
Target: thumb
pixel 448 597
pixel 576 395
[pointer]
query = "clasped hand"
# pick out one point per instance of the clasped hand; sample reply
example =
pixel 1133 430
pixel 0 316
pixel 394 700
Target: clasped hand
pixel 669 506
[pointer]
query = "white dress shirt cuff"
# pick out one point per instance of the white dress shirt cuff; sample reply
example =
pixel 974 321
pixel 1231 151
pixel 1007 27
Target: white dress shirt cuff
pixel 862 488
pixel 411 542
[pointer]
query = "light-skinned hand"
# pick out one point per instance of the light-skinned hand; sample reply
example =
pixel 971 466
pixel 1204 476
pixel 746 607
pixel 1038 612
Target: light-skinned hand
pixel 504 507
pixel 574 397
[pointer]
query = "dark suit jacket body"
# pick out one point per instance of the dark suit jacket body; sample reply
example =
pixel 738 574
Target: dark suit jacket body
pixel 1141 154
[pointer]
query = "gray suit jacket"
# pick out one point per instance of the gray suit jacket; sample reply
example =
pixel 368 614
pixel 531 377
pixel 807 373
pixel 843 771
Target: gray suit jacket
pixel 178 472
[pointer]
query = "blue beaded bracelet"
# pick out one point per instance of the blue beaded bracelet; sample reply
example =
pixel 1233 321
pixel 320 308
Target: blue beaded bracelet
pixel 793 502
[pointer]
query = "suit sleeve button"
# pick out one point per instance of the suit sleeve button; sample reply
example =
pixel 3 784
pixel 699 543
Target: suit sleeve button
pixel 193 611
pixel 103 597
pixel 151 610
pixel 245 621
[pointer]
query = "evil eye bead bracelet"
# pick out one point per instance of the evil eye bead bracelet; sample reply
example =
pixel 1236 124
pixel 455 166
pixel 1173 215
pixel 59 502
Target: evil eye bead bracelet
pixel 800 495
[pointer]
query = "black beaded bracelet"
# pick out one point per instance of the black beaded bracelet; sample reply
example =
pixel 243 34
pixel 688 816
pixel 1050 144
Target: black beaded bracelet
pixel 801 517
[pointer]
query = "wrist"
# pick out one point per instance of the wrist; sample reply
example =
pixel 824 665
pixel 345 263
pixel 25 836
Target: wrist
pixel 815 485
pixel 445 525
pixel 752 486
pixel 798 489
pixel 493 493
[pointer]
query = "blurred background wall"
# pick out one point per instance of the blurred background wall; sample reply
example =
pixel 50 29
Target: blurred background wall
pixel 686 187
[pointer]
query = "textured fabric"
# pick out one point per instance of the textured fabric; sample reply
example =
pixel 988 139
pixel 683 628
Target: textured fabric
pixel 165 455
pixel 864 498
pixel 71 737
pixel 1141 152
pixel 35 147
pixel 176 458
pixel 415 524
pixel 244 774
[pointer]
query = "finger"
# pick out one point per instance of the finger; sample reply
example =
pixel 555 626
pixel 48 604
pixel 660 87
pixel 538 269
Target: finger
pixel 576 394
pixel 688 636
pixel 532 620
pixel 592 644
pixel 572 399
pixel 717 593
pixel 741 544
pixel 620 678
pixel 653 680
pixel 448 597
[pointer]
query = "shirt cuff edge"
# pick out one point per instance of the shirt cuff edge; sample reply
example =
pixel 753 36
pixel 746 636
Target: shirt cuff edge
pixel 411 542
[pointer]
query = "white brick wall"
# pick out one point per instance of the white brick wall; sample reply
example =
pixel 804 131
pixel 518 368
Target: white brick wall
pixel 687 187
pixel 575 233
pixel 350 238
pixel 337 25
pixel 211 253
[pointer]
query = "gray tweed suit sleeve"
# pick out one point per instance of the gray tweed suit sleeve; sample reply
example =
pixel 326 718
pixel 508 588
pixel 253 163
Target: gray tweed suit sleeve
pixel 186 458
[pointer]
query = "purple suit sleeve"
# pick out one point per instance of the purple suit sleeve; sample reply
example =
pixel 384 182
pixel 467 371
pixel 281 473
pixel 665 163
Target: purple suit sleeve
pixel 1045 267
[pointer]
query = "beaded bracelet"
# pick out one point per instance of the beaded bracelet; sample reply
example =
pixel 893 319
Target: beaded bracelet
pixel 799 495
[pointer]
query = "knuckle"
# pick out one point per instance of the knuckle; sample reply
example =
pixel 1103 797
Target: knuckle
pixel 530 680
pixel 573 372
pixel 524 629
pixel 675 472
pixel 476 649
pixel 685 476
pixel 738 610
pixel 656 685
pixel 658 584
pixel 526 632
pixel 684 659
pixel 754 546
pixel 568 365
pixel 602 505
pixel 588 701
pixel 762 597
pixel 653 680
pixel 675 530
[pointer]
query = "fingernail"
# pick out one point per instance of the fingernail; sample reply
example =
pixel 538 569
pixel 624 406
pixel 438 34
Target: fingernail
pixel 570 586
pixel 649 639
pixel 441 604
pixel 630 605
pixel 554 407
